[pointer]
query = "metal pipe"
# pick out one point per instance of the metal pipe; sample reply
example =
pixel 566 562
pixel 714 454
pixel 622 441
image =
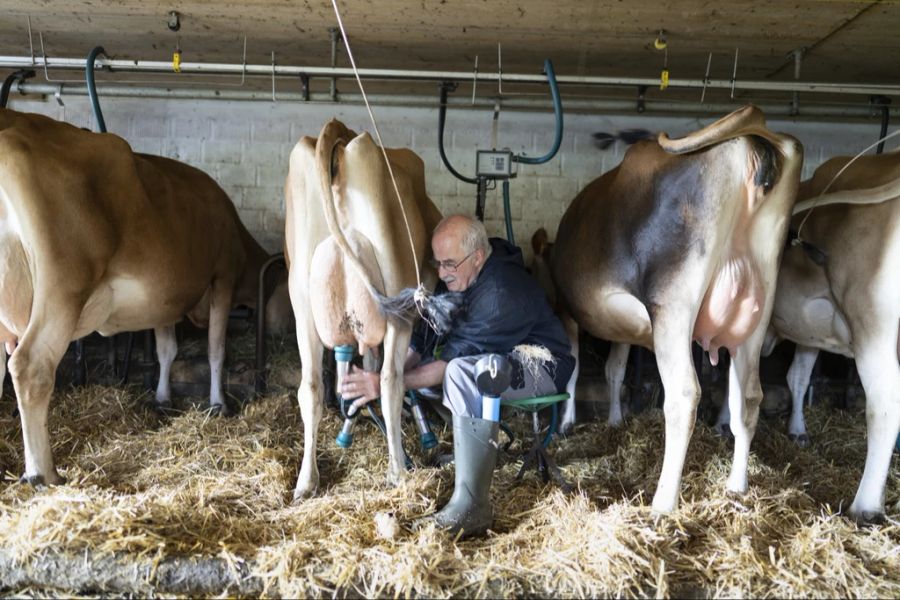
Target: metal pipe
pixel 261 381
pixel 127 66
pixel 428 101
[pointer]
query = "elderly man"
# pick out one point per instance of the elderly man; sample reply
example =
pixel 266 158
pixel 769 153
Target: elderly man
pixel 503 308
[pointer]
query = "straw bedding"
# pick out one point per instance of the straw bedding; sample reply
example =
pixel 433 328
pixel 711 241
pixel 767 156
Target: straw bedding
pixel 193 505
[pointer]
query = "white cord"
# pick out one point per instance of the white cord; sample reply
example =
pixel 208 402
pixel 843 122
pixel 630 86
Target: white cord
pixel 833 179
pixel 380 143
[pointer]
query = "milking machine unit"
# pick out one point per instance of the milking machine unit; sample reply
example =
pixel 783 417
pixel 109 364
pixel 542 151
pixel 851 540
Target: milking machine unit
pixel 343 355
pixel 497 165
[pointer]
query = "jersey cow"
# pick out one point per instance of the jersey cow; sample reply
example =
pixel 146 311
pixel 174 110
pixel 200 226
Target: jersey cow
pixel 94 237
pixel 682 242
pixel 349 244
pixel 843 296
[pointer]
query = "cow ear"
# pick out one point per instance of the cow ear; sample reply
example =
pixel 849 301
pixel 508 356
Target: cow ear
pixel 539 241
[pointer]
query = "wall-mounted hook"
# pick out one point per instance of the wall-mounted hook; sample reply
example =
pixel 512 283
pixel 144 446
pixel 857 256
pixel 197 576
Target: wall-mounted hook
pixel 660 42
pixel 174 20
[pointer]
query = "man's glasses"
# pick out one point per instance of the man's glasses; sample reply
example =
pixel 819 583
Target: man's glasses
pixel 449 265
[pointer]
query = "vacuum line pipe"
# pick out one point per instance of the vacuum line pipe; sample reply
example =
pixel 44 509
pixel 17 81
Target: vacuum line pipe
pixel 121 65
pixel 428 101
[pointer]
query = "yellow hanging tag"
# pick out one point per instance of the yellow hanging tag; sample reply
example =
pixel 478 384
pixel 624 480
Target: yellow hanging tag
pixel 176 61
pixel 664 79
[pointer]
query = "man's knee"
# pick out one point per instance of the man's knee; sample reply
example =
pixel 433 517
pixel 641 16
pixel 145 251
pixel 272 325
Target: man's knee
pixel 457 372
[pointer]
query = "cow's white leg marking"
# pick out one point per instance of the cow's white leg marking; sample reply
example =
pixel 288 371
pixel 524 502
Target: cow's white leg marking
pixel 568 418
pixel 744 398
pixel 166 350
pixel 879 371
pixel 798 381
pixel 672 344
pixel 309 394
pixel 396 344
pixel 616 363
pixel 219 307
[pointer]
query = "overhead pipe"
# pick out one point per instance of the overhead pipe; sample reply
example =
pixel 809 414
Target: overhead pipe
pixel 428 101
pixel 267 70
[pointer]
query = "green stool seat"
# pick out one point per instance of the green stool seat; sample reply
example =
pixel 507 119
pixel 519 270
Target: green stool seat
pixel 537 456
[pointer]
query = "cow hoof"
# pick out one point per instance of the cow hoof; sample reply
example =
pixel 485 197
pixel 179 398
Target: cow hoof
pixel 723 430
pixel 39 482
pixel 801 439
pixel 866 518
pixel 566 429
pixel 301 495
pixel 165 408
pixel 220 410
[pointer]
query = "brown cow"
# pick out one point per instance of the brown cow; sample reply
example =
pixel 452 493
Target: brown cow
pixel 843 296
pixel 347 243
pixel 94 237
pixel 681 242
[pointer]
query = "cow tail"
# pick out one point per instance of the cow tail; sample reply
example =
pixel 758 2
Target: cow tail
pixel 437 310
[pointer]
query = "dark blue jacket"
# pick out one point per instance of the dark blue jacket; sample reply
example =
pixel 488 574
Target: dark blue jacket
pixel 502 308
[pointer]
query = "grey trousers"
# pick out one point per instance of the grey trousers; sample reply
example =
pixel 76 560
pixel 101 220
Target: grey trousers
pixel 462 397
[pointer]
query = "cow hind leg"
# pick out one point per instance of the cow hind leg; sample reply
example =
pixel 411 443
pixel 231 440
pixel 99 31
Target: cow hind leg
pixel 880 376
pixel 396 344
pixel 798 382
pixel 166 350
pixel 672 344
pixel 616 363
pixel 219 307
pixel 309 397
pixel 568 419
pixel 744 399
pixel 33 370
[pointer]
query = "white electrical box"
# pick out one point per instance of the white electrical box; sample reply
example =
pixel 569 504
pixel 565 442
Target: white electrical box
pixel 494 164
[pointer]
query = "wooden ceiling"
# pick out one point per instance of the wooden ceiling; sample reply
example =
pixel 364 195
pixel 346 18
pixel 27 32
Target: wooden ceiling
pixel 842 41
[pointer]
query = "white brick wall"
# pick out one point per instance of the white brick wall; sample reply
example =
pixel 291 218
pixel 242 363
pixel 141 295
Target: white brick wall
pixel 245 146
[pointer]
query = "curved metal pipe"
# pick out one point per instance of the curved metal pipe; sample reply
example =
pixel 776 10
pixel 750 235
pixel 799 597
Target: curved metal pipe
pixel 20 75
pixel 442 117
pixel 557 111
pixel 262 380
pixel 92 87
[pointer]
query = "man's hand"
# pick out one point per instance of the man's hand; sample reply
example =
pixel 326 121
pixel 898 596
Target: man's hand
pixel 365 386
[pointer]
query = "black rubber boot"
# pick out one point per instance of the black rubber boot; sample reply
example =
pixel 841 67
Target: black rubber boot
pixel 475 453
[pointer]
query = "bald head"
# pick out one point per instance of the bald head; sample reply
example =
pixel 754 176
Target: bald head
pixel 460 244
pixel 468 231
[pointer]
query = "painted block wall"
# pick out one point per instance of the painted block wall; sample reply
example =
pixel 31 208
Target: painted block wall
pixel 245 146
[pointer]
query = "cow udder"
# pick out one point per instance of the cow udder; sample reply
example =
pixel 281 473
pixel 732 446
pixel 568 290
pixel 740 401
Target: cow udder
pixel 343 310
pixel 731 308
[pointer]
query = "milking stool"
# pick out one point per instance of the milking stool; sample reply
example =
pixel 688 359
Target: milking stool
pixel 537 456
